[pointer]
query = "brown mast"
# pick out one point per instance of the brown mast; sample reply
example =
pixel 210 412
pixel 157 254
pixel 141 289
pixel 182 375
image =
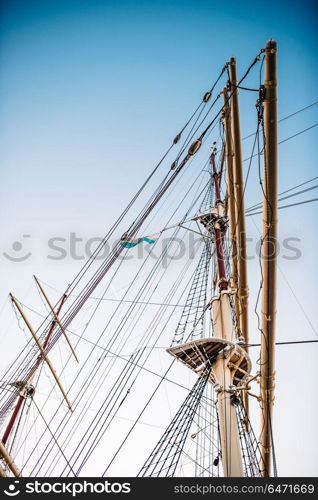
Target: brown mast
pixel 269 255
pixel 239 203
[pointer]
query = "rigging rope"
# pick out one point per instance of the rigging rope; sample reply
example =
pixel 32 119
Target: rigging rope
pixel 287 117
pixel 110 232
pixel 255 207
pixel 286 206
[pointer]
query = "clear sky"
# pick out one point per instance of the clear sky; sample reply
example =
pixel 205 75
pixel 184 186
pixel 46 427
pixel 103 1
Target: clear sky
pixel 92 93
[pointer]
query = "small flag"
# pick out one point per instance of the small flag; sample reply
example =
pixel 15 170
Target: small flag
pixel 133 242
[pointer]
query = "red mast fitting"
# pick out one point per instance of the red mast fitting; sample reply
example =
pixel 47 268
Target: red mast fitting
pixel 45 343
pixel 12 420
pixel 217 230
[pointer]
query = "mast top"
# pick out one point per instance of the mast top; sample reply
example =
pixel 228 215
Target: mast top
pixel 271 44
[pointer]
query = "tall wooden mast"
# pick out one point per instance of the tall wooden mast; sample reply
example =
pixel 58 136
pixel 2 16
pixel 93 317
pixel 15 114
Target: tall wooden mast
pixel 231 205
pixel 269 255
pixel 239 203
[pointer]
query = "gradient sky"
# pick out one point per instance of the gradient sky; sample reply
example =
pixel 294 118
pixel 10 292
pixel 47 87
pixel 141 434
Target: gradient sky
pixel 92 92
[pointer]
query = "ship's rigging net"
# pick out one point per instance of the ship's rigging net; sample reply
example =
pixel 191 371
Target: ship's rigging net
pixel 165 457
pixel 196 303
pixel 196 422
pixel 249 443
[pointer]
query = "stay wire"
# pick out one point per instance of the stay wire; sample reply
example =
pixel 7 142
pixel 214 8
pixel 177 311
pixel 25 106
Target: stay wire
pixel 255 207
pixel 257 58
pixel 287 117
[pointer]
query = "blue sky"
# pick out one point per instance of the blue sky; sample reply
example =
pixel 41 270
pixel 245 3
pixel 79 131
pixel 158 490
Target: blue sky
pixel 96 85
pixel 89 84
pixel 92 93
pixel 89 81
